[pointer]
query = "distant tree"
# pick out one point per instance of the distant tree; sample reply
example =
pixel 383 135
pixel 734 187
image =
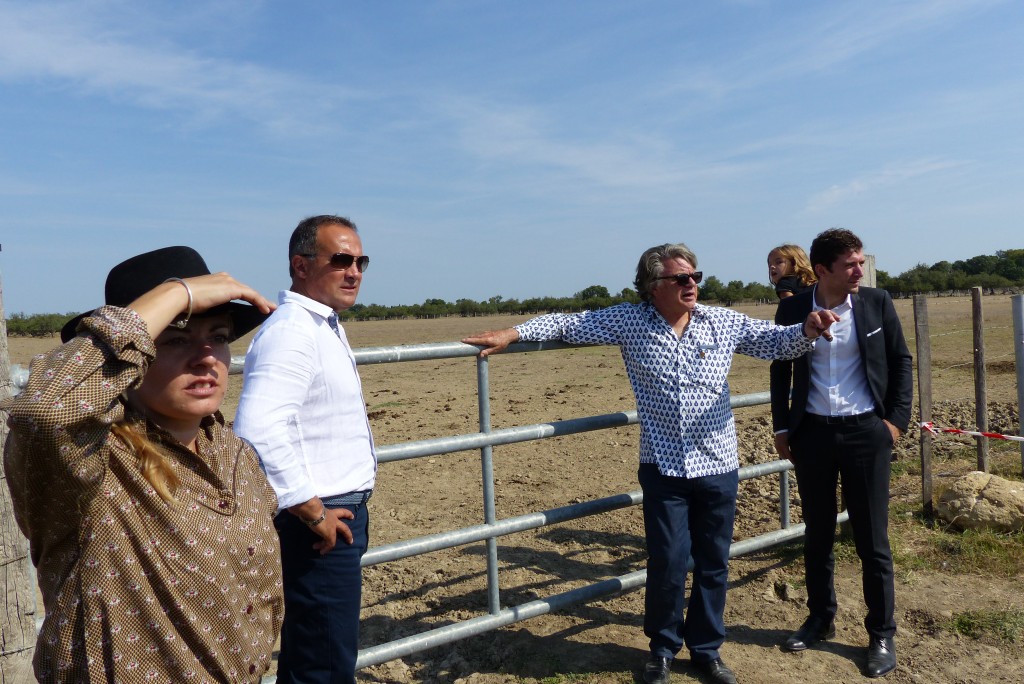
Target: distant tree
pixel 433 308
pixel 592 292
pixel 982 263
pixel 1010 270
pixel 732 293
pixel 758 291
pixel 628 294
pixel 467 307
pixel 510 306
pixel 492 305
pixel 711 289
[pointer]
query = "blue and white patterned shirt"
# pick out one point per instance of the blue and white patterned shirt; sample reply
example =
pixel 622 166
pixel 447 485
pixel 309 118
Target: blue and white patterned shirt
pixel 680 383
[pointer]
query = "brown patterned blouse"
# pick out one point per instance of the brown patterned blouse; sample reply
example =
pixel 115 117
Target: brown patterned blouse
pixel 137 590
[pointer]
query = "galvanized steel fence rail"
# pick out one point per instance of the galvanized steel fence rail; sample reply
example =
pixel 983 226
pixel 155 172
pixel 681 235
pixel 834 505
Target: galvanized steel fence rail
pixel 492 528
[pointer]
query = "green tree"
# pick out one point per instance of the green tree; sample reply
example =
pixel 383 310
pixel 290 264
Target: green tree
pixel 712 290
pixel 592 292
pixel 733 292
pixel 630 295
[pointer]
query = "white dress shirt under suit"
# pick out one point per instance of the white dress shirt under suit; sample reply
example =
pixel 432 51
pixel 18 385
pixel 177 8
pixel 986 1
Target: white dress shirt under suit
pixel 839 386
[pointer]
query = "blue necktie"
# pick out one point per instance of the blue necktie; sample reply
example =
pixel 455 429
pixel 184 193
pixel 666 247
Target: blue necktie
pixel 332 321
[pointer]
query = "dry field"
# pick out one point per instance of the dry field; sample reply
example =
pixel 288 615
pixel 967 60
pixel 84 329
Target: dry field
pixel 603 641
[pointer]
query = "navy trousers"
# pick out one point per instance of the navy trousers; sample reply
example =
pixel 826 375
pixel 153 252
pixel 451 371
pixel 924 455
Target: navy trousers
pixel 683 518
pixel 859 454
pixel 322 599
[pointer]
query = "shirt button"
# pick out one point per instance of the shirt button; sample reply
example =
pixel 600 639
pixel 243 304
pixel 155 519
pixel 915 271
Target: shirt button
pixel 222 503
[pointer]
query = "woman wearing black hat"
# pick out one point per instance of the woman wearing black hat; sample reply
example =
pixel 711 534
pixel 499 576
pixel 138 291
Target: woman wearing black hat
pixel 150 522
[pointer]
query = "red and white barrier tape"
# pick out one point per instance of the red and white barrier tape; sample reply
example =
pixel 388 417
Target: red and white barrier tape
pixel 930 427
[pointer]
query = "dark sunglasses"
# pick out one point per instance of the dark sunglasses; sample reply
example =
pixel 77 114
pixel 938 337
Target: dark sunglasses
pixel 684 278
pixel 342 261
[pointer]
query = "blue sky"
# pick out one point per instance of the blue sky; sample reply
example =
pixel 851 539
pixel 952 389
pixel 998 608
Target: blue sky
pixel 501 148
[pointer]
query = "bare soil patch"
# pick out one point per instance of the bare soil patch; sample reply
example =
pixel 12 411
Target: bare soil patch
pixel 603 642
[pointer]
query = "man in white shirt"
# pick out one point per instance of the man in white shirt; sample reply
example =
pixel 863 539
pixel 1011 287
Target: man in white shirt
pixel 851 400
pixel 302 408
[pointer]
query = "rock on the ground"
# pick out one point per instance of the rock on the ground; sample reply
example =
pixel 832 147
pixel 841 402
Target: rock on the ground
pixel 980 501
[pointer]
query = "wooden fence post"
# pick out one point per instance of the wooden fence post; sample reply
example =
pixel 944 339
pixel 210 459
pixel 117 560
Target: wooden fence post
pixel 1018 360
pixel 17 615
pixel 980 378
pixel 924 396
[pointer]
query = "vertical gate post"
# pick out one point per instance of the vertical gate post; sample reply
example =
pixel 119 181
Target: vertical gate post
pixel 1018 357
pixel 483 389
pixel 980 378
pixel 924 396
pixel 784 512
pixel 17 613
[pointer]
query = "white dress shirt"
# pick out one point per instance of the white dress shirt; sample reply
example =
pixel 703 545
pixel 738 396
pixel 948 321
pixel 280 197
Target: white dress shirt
pixel 302 405
pixel 838 383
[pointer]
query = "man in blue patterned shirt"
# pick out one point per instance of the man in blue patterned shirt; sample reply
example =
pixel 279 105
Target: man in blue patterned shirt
pixel 677 355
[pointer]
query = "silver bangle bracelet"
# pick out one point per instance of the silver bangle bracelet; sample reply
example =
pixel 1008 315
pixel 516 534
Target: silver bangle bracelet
pixel 182 322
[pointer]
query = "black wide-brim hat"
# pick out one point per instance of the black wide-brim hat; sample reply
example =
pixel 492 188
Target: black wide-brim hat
pixel 130 279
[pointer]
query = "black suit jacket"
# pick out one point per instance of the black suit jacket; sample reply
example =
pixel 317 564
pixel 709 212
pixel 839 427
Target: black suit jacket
pixel 883 353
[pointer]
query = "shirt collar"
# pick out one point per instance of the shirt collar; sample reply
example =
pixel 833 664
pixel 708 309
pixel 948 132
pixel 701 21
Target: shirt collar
pixel 814 300
pixel 290 296
pixel 699 312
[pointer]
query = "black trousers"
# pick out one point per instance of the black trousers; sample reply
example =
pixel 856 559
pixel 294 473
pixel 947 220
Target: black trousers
pixel 858 454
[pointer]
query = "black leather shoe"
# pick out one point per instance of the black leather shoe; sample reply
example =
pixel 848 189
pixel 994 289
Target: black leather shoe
pixel 656 670
pixel 881 657
pixel 811 632
pixel 716 671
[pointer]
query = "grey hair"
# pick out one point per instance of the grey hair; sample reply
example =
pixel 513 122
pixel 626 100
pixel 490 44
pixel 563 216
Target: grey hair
pixel 303 240
pixel 651 266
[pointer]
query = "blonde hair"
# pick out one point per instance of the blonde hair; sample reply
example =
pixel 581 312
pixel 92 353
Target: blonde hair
pixel 152 460
pixel 797 258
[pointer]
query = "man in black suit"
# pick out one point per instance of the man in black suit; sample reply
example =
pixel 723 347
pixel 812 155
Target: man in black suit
pixel 850 402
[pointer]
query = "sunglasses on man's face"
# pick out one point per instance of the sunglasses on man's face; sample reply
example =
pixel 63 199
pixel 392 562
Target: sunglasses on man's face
pixel 342 261
pixel 684 278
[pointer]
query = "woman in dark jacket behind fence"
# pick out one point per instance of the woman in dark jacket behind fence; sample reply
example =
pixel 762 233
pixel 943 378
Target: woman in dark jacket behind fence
pixel 150 522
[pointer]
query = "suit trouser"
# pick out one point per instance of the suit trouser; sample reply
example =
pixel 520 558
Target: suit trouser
pixel 859 454
pixel 682 518
pixel 322 599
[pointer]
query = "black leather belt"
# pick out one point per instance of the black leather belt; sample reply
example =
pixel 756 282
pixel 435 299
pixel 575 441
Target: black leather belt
pixel 842 420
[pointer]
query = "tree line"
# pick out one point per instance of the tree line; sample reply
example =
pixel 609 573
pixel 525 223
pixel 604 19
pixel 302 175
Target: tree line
pixel 1003 271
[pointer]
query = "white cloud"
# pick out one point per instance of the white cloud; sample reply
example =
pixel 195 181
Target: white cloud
pixel 66 44
pixel 882 179
pixel 528 136
pixel 821 40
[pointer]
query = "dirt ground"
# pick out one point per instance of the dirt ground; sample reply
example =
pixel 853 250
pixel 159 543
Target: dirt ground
pixel 603 641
